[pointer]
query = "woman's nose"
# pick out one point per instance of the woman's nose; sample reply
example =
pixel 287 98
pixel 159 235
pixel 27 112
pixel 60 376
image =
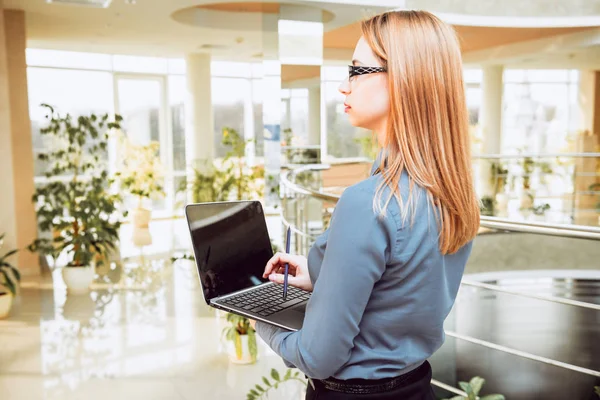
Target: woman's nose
pixel 344 87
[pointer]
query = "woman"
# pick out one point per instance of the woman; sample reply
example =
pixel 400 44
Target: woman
pixel 385 275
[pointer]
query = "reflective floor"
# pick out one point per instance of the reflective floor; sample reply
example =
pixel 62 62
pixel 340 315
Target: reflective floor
pixel 150 337
pixel 142 332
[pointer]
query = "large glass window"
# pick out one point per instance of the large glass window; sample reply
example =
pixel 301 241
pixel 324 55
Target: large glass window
pixel 177 93
pixel 538 111
pixel 228 98
pixel 76 92
pixel 343 139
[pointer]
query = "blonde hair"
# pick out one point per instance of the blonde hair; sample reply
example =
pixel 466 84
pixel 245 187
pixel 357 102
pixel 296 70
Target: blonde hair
pixel 427 134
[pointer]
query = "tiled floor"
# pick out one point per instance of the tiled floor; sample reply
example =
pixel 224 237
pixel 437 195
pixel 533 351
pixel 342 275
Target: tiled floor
pixel 151 337
pixel 142 332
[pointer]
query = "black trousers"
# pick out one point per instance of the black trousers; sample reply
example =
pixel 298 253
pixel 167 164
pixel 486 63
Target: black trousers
pixel 417 386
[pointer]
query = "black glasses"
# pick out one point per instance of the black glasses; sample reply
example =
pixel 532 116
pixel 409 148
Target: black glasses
pixel 354 70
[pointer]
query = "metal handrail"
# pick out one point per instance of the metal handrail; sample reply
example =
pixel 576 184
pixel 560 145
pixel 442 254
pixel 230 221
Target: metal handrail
pixel 568 231
pixel 524 354
pixel 552 299
pixel 535 155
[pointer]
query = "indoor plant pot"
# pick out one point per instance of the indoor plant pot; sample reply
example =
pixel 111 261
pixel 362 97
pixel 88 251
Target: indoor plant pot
pixel 141 217
pixel 246 356
pixel 241 337
pixel 78 279
pixel 81 213
pixel 9 281
pixel 5 304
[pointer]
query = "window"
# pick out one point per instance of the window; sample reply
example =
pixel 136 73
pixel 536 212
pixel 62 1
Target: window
pixel 538 110
pixel 228 98
pixel 76 92
pixel 343 139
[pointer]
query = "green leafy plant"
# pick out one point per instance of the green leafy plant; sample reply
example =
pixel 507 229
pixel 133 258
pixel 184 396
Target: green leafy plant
pixel 487 206
pixel 368 146
pixel 260 392
pixel 527 166
pixel 499 176
pixel 597 390
pixel 472 389
pixel 75 205
pixel 218 181
pixel 540 209
pixel 140 169
pixel 288 137
pixel 9 275
pixel 240 326
pixel 245 177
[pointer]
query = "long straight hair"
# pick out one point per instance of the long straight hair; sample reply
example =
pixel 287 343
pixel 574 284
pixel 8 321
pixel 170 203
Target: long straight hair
pixel 428 128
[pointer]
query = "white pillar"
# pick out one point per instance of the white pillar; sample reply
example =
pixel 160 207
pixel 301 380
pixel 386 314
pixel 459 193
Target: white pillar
pixel 490 121
pixel 586 101
pixel 314 115
pixel 199 136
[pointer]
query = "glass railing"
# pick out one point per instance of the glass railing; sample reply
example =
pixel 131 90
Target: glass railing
pixel 558 188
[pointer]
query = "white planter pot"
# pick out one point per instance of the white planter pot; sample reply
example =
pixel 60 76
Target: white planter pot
pixel 78 279
pixel 141 232
pixel 5 304
pixel 525 201
pixel 246 358
pixel 141 217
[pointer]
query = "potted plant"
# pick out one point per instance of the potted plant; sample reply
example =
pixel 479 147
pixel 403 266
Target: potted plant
pixel 241 339
pixel 74 205
pixel 487 206
pixel 526 199
pixel 9 279
pixel 499 176
pixel 262 390
pixel 140 174
pixel 226 179
pixel 539 211
pixel 472 389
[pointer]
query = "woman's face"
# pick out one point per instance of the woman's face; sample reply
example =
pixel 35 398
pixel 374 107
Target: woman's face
pixel 367 98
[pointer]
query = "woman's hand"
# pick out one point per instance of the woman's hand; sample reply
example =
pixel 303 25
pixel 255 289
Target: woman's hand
pixel 297 274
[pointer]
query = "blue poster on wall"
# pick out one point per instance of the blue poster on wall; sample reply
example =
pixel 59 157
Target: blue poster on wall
pixel 271 132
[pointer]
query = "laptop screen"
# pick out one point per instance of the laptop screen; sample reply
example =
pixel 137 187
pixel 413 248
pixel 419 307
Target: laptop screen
pixel 231 245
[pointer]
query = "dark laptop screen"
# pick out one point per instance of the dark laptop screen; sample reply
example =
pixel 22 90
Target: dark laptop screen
pixel 231 245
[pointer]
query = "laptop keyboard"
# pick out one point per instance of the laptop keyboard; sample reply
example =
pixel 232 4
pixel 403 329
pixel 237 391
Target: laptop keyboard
pixel 267 300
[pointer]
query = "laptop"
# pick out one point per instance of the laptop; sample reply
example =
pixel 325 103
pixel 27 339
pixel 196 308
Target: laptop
pixel 232 247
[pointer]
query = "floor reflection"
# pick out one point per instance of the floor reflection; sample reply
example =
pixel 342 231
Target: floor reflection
pixel 143 331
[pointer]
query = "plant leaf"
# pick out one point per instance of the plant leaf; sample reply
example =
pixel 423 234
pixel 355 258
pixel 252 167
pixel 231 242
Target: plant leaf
pixel 275 374
pixel 493 397
pixel 476 384
pixel 266 381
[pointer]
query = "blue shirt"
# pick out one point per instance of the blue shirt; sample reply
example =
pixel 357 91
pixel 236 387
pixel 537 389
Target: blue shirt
pixel 382 290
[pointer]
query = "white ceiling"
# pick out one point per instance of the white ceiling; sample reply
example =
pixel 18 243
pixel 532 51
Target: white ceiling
pixel 147 27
